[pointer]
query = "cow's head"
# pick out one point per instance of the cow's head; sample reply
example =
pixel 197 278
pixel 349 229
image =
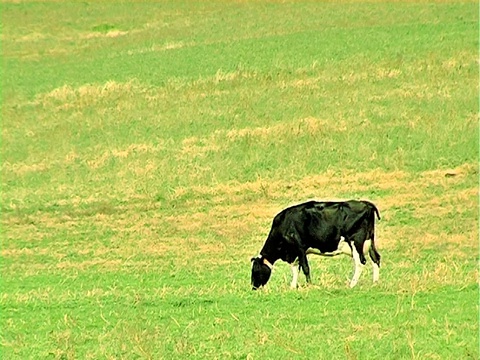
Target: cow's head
pixel 261 271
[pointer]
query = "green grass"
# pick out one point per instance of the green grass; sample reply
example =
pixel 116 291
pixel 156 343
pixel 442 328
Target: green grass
pixel 146 148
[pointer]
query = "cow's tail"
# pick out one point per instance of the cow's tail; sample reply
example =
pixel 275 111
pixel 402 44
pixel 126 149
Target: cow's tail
pixel 377 212
pixel 374 254
pixel 373 208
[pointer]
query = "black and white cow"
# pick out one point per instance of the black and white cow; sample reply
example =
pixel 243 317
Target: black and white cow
pixel 323 228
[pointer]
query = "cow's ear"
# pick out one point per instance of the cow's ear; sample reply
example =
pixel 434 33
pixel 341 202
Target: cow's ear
pixel 252 259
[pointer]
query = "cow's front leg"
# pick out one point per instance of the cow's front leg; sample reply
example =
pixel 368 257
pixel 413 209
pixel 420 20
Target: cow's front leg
pixel 295 270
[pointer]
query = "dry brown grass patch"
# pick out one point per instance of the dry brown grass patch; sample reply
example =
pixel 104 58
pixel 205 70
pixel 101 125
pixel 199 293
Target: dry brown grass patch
pixel 82 265
pixel 310 125
pixel 108 34
pixel 21 169
pixel 231 216
pixel 76 98
pixel 194 146
pixel 221 139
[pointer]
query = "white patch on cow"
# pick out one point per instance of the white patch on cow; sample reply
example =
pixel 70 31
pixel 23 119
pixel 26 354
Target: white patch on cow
pixel 376 272
pixel 295 270
pixel 344 248
pixel 366 246
pixel 266 262
pixel 313 251
pixel 358 266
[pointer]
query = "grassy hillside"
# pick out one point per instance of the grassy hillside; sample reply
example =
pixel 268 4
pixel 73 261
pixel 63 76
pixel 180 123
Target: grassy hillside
pixel 147 146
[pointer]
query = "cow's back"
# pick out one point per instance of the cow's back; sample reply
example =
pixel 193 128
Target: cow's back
pixel 322 226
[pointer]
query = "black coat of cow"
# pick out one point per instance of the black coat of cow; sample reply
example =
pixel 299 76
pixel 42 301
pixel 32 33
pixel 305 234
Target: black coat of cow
pixel 318 227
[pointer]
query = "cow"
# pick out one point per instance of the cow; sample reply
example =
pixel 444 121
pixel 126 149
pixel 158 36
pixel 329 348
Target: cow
pixel 328 228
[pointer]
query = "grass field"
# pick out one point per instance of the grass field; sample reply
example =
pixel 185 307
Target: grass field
pixel 147 146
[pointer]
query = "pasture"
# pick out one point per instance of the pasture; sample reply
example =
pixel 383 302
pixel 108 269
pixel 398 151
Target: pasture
pixel 146 148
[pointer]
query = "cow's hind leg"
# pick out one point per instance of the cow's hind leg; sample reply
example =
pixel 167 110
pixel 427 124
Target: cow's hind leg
pixel 375 256
pixel 358 261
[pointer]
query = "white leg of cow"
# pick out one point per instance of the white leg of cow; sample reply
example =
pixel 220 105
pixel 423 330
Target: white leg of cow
pixel 295 270
pixel 358 266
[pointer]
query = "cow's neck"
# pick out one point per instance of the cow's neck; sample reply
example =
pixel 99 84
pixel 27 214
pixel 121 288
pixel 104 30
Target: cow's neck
pixel 268 263
pixel 270 259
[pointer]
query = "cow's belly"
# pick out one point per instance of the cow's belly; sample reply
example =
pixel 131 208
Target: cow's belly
pixel 339 248
pixel 327 246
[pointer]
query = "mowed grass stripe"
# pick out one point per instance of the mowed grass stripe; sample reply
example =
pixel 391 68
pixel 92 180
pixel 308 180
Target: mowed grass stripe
pixel 236 218
pixel 138 99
